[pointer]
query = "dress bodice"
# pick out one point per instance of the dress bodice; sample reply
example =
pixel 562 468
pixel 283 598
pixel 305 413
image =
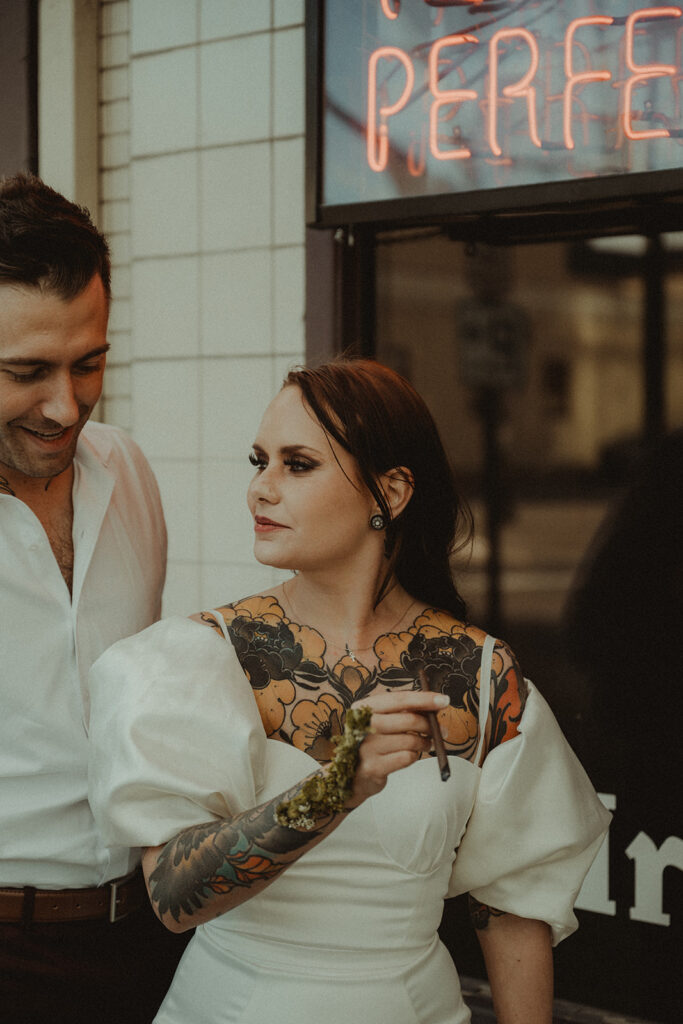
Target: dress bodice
pixel 400 873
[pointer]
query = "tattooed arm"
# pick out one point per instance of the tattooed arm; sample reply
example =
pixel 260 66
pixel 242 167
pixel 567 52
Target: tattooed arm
pixel 207 870
pixel 517 951
pixel 508 696
pixel 518 956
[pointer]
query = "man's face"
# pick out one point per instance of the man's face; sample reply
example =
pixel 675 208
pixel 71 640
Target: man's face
pixel 52 359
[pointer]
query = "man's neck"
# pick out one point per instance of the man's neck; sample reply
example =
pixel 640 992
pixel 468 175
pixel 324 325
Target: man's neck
pixel 39 493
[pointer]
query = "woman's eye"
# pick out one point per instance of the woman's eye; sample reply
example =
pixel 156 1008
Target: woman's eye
pixel 298 465
pixel 256 460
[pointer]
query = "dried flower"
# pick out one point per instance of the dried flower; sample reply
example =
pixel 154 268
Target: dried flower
pixel 327 793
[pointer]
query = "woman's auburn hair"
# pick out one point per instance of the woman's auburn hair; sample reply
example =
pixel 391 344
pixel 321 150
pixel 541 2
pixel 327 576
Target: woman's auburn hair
pixel 379 418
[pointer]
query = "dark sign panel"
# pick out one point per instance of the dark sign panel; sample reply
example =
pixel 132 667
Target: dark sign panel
pixel 438 107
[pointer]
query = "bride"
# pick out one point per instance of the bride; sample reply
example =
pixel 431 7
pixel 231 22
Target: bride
pixel 204 729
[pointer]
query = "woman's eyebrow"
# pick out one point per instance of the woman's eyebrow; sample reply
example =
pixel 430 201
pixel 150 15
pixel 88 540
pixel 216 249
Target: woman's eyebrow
pixel 293 449
pixel 289 449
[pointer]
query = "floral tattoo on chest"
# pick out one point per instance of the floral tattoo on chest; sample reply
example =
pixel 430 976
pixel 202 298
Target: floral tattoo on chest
pixel 303 696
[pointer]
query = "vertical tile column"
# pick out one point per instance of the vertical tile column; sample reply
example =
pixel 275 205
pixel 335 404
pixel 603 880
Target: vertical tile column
pixel 214 217
pixel 114 212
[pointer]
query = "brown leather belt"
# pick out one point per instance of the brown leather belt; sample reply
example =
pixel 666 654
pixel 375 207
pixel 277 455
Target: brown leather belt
pixel 113 901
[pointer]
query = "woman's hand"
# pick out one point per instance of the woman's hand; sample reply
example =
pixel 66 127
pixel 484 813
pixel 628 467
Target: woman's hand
pixel 400 735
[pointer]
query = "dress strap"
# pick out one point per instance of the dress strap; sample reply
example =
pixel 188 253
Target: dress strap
pixel 484 691
pixel 221 624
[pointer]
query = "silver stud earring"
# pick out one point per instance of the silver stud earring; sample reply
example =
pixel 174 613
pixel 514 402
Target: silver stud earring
pixel 377 521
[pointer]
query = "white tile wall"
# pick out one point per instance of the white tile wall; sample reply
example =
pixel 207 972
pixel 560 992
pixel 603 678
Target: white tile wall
pixel 114 50
pixel 115 184
pixel 222 582
pixel 118 381
pixel 288 12
pixel 288 175
pixel 113 18
pixel 225 519
pixel 288 299
pixel 166 408
pixel 114 216
pixel 236 302
pixel 119 411
pixel 236 187
pixel 166 308
pixel 115 150
pixel 219 18
pixel 121 352
pixel 235 90
pixel 182 593
pixel 234 394
pixel 178 481
pixel 288 92
pixel 113 84
pixel 114 117
pixel 164 205
pixel 162 24
pixel 164 102
pixel 201 188
pixel 119 248
pixel 120 282
pixel 119 318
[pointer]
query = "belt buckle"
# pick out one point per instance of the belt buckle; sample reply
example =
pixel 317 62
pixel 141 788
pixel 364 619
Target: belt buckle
pixel 113 899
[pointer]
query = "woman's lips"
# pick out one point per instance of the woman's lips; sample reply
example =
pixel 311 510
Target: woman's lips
pixel 264 525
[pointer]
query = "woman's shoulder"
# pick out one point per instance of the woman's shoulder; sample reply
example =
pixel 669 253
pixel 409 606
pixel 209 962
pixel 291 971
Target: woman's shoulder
pixel 262 609
pixel 451 651
pixel 436 633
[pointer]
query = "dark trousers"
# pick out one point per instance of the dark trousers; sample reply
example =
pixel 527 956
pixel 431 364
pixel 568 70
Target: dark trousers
pixel 87 972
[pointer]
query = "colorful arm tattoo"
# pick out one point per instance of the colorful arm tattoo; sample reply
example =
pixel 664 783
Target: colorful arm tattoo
pixel 241 856
pixel 509 693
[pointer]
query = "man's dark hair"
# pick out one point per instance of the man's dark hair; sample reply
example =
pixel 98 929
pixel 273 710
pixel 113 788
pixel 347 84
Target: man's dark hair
pixel 47 241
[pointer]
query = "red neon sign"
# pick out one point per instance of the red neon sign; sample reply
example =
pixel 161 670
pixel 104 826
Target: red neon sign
pixel 378 140
pixel 519 90
pixel 643 72
pixel 445 97
pixel 495 96
pixel 578 78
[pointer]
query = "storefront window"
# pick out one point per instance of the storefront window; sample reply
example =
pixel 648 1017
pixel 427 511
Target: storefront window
pixel 536 364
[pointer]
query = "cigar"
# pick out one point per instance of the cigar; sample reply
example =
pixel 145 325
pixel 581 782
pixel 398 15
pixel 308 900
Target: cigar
pixel 441 758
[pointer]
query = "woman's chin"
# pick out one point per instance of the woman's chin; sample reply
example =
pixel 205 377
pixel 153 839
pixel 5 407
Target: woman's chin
pixel 271 559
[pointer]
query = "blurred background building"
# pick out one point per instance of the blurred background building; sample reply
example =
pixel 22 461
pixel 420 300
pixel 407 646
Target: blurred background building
pixel 181 125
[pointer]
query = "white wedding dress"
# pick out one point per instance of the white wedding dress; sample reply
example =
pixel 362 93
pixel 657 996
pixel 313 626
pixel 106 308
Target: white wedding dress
pixel 348 933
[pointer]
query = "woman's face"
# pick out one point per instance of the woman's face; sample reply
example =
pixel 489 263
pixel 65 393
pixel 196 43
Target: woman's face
pixel 310 509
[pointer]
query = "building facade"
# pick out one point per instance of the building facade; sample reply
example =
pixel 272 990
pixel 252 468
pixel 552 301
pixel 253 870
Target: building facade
pixel 180 124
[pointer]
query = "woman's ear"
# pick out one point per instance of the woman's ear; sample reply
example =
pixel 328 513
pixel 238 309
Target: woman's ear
pixel 398 485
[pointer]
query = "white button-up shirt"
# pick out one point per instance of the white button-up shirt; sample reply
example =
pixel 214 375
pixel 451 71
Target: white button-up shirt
pixel 49 638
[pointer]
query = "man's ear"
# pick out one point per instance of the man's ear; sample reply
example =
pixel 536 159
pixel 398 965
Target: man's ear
pixel 398 485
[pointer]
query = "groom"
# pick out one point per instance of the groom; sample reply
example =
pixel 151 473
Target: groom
pixel 82 564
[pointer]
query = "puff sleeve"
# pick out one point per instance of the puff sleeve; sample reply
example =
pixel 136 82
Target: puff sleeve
pixel 175 735
pixel 536 826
